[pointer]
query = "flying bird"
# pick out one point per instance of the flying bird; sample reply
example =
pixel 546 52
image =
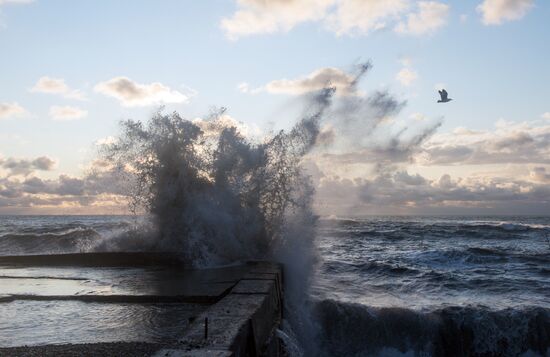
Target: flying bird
pixel 444 96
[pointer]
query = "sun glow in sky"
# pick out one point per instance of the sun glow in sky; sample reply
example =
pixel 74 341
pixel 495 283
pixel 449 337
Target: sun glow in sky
pixel 71 70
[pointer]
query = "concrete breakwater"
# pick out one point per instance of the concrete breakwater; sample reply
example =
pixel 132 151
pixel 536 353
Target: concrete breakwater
pixel 241 323
pixel 229 311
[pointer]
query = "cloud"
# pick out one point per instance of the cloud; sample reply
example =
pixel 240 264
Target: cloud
pixel 400 192
pixel 495 12
pixel 27 166
pixel 510 142
pixel 67 113
pixel 540 174
pixel 343 17
pixel 57 86
pixel 260 16
pixel 546 115
pixel 365 16
pixel 98 191
pixel 44 163
pixel 244 87
pixel 406 76
pixel 431 16
pixel 132 94
pixel 10 110
pixel 317 80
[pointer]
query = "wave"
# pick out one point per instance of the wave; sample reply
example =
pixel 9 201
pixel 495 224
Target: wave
pixel 508 226
pixel 68 240
pixel 370 267
pixel 347 329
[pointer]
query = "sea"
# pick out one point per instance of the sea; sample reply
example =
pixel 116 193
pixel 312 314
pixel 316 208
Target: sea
pixel 383 286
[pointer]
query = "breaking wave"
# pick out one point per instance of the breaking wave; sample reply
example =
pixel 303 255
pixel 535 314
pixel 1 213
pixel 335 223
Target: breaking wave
pixel 450 331
pixel 214 196
pixel 66 241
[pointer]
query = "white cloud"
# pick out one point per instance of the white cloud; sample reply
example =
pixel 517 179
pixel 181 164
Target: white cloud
pixel 260 16
pixel 67 113
pixel 132 94
pixel 431 16
pixel 495 12
pixel 10 110
pixel 406 76
pixel 56 86
pixel 316 80
pixel 364 16
pixel 244 87
pixel 546 115
pixel 343 17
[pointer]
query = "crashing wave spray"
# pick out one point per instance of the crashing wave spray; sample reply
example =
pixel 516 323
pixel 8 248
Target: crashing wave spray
pixel 217 197
pixel 214 196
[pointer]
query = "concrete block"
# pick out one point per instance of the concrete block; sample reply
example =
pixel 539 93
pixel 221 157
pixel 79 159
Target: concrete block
pixel 253 287
pixel 193 353
pixel 224 333
pixel 264 267
pixel 242 323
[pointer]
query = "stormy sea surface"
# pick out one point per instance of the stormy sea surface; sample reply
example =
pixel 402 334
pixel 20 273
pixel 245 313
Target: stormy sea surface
pixel 385 286
pixel 441 286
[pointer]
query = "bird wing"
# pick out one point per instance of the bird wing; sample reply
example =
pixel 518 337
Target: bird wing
pixel 443 93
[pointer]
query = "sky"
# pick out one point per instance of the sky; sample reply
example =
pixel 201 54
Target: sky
pixel 70 71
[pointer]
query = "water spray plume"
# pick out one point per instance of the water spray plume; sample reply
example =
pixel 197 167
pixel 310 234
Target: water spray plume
pixel 214 196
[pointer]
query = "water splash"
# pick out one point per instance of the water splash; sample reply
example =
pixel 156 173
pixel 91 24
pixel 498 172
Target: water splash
pixel 214 195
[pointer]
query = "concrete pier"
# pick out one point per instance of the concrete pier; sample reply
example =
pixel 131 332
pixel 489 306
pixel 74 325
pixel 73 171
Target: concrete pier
pixel 241 323
pixel 233 311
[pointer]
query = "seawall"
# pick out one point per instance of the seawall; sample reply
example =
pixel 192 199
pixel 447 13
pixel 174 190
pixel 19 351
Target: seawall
pixel 241 323
pixel 229 311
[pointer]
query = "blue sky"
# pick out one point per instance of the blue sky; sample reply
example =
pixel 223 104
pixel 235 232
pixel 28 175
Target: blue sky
pixel 495 67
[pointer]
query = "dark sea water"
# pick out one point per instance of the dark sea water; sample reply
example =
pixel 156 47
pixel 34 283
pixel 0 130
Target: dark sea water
pixel 385 286
pixel 434 286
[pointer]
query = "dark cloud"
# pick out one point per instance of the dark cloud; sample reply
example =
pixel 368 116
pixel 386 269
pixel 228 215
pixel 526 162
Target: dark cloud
pixel 401 192
pixel 27 166
pixel 540 174
pixel 43 163
pixel 102 187
pixel 510 142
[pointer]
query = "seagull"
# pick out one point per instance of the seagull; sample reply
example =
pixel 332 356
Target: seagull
pixel 443 93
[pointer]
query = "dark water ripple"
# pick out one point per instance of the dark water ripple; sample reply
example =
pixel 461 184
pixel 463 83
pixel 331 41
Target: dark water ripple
pixel 434 286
